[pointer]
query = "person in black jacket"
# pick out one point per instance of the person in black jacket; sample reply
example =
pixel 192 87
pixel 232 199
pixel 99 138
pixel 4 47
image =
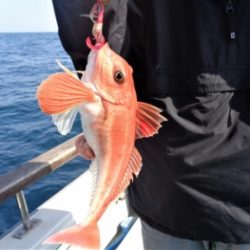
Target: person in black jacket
pixel 190 58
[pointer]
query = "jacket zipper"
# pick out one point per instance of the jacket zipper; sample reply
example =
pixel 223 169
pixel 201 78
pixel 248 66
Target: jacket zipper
pixel 230 12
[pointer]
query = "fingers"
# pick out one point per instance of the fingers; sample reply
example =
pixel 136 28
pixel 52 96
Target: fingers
pixel 83 148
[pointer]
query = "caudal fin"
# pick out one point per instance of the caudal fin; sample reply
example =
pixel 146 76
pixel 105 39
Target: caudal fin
pixel 83 236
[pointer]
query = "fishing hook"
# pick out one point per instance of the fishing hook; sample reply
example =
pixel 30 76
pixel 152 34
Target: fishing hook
pixel 96 15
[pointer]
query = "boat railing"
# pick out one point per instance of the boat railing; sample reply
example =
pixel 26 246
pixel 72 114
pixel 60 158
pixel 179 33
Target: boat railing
pixel 13 182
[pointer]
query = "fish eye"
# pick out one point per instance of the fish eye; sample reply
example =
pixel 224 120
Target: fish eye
pixel 119 77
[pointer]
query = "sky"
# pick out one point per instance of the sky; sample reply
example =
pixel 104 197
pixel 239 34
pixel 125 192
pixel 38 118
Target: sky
pixel 27 16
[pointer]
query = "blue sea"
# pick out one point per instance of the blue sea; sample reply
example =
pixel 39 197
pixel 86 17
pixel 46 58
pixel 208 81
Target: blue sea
pixel 26 59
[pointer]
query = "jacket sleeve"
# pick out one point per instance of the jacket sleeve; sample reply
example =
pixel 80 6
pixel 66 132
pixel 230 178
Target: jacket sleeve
pixel 73 29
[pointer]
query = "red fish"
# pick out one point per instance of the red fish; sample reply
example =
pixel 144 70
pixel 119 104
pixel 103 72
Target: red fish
pixel 112 119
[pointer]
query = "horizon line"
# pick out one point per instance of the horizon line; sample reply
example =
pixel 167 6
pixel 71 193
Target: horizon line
pixel 31 31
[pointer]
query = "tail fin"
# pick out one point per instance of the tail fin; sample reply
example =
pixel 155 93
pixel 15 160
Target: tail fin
pixel 84 236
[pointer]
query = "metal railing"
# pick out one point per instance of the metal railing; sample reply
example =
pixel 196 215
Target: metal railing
pixel 12 183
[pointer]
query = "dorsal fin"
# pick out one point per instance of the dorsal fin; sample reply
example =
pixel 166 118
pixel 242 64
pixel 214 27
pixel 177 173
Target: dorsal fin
pixel 62 91
pixel 148 120
pixel 134 167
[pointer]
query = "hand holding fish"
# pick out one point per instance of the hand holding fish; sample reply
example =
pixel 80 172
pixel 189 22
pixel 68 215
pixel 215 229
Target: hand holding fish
pixel 83 148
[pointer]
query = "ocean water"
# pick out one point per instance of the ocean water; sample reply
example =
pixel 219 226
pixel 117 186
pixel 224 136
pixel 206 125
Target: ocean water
pixel 25 132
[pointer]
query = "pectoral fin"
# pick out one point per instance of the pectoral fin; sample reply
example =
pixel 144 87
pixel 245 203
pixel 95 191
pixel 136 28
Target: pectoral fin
pixel 148 120
pixel 62 91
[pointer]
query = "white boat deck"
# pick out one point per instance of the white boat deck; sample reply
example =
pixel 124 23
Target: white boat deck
pixel 68 207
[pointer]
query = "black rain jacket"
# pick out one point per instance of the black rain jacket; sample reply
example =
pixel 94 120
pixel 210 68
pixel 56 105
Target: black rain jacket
pixel 190 57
